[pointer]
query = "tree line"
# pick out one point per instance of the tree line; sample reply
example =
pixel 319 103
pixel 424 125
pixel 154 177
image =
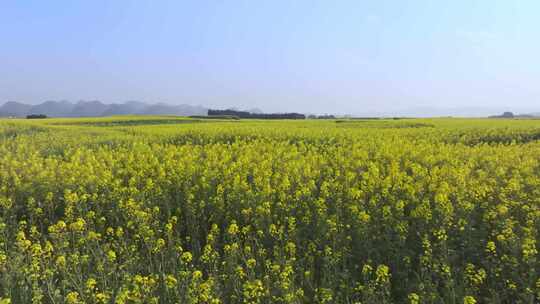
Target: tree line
pixel 245 114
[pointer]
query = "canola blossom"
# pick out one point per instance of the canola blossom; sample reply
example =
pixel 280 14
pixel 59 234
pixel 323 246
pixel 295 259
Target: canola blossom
pixel 177 210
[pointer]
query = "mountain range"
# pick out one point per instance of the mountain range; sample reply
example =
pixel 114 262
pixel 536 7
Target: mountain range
pixel 96 108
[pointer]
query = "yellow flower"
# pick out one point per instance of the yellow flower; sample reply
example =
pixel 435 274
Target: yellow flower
pixel 160 243
pixel 93 236
pixel 3 258
pixel 72 298
pixel 469 300
pixel 91 284
pixel 233 229
pixel 61 225
pixel 61 261
pixel 491 248
pixel 382 274
pixel 170 281
pixel 186 257
pixel 529 248
pixel 78 225
pixel 366 269
pixel 253 291
pixel 111 256
pixel 251 263
pixel 240 271
pixel 119 232
pixel 102 297
pixel 414 298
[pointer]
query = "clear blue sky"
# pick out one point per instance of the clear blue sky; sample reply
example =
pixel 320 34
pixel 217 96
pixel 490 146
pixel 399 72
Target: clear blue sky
pixel 317 56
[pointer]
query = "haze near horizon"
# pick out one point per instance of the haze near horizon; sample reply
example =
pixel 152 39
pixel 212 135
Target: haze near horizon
pixel 344 57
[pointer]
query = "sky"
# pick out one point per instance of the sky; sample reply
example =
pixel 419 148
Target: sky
pixel 338 57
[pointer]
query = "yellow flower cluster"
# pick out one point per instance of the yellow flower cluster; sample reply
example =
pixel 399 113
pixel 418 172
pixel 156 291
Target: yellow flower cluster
pixel 175 210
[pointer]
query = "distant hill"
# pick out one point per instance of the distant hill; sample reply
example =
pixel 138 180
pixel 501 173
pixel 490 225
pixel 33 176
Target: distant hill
pixel 128 108
pixel 255 111
pixel 53 108
pixel 96 108
pixel 89 109
pixel 511 115
pixel 181 110
pixel 13 108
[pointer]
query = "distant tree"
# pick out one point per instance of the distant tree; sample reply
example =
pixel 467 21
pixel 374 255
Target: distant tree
pixel 508 115
pixel 36 116
pixel 245 114
pixel 326 116
pixel 504 115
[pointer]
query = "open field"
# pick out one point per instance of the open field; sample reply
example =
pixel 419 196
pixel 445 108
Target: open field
pixel 176 210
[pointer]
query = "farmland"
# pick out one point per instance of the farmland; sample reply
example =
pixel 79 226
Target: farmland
pixel 135 209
